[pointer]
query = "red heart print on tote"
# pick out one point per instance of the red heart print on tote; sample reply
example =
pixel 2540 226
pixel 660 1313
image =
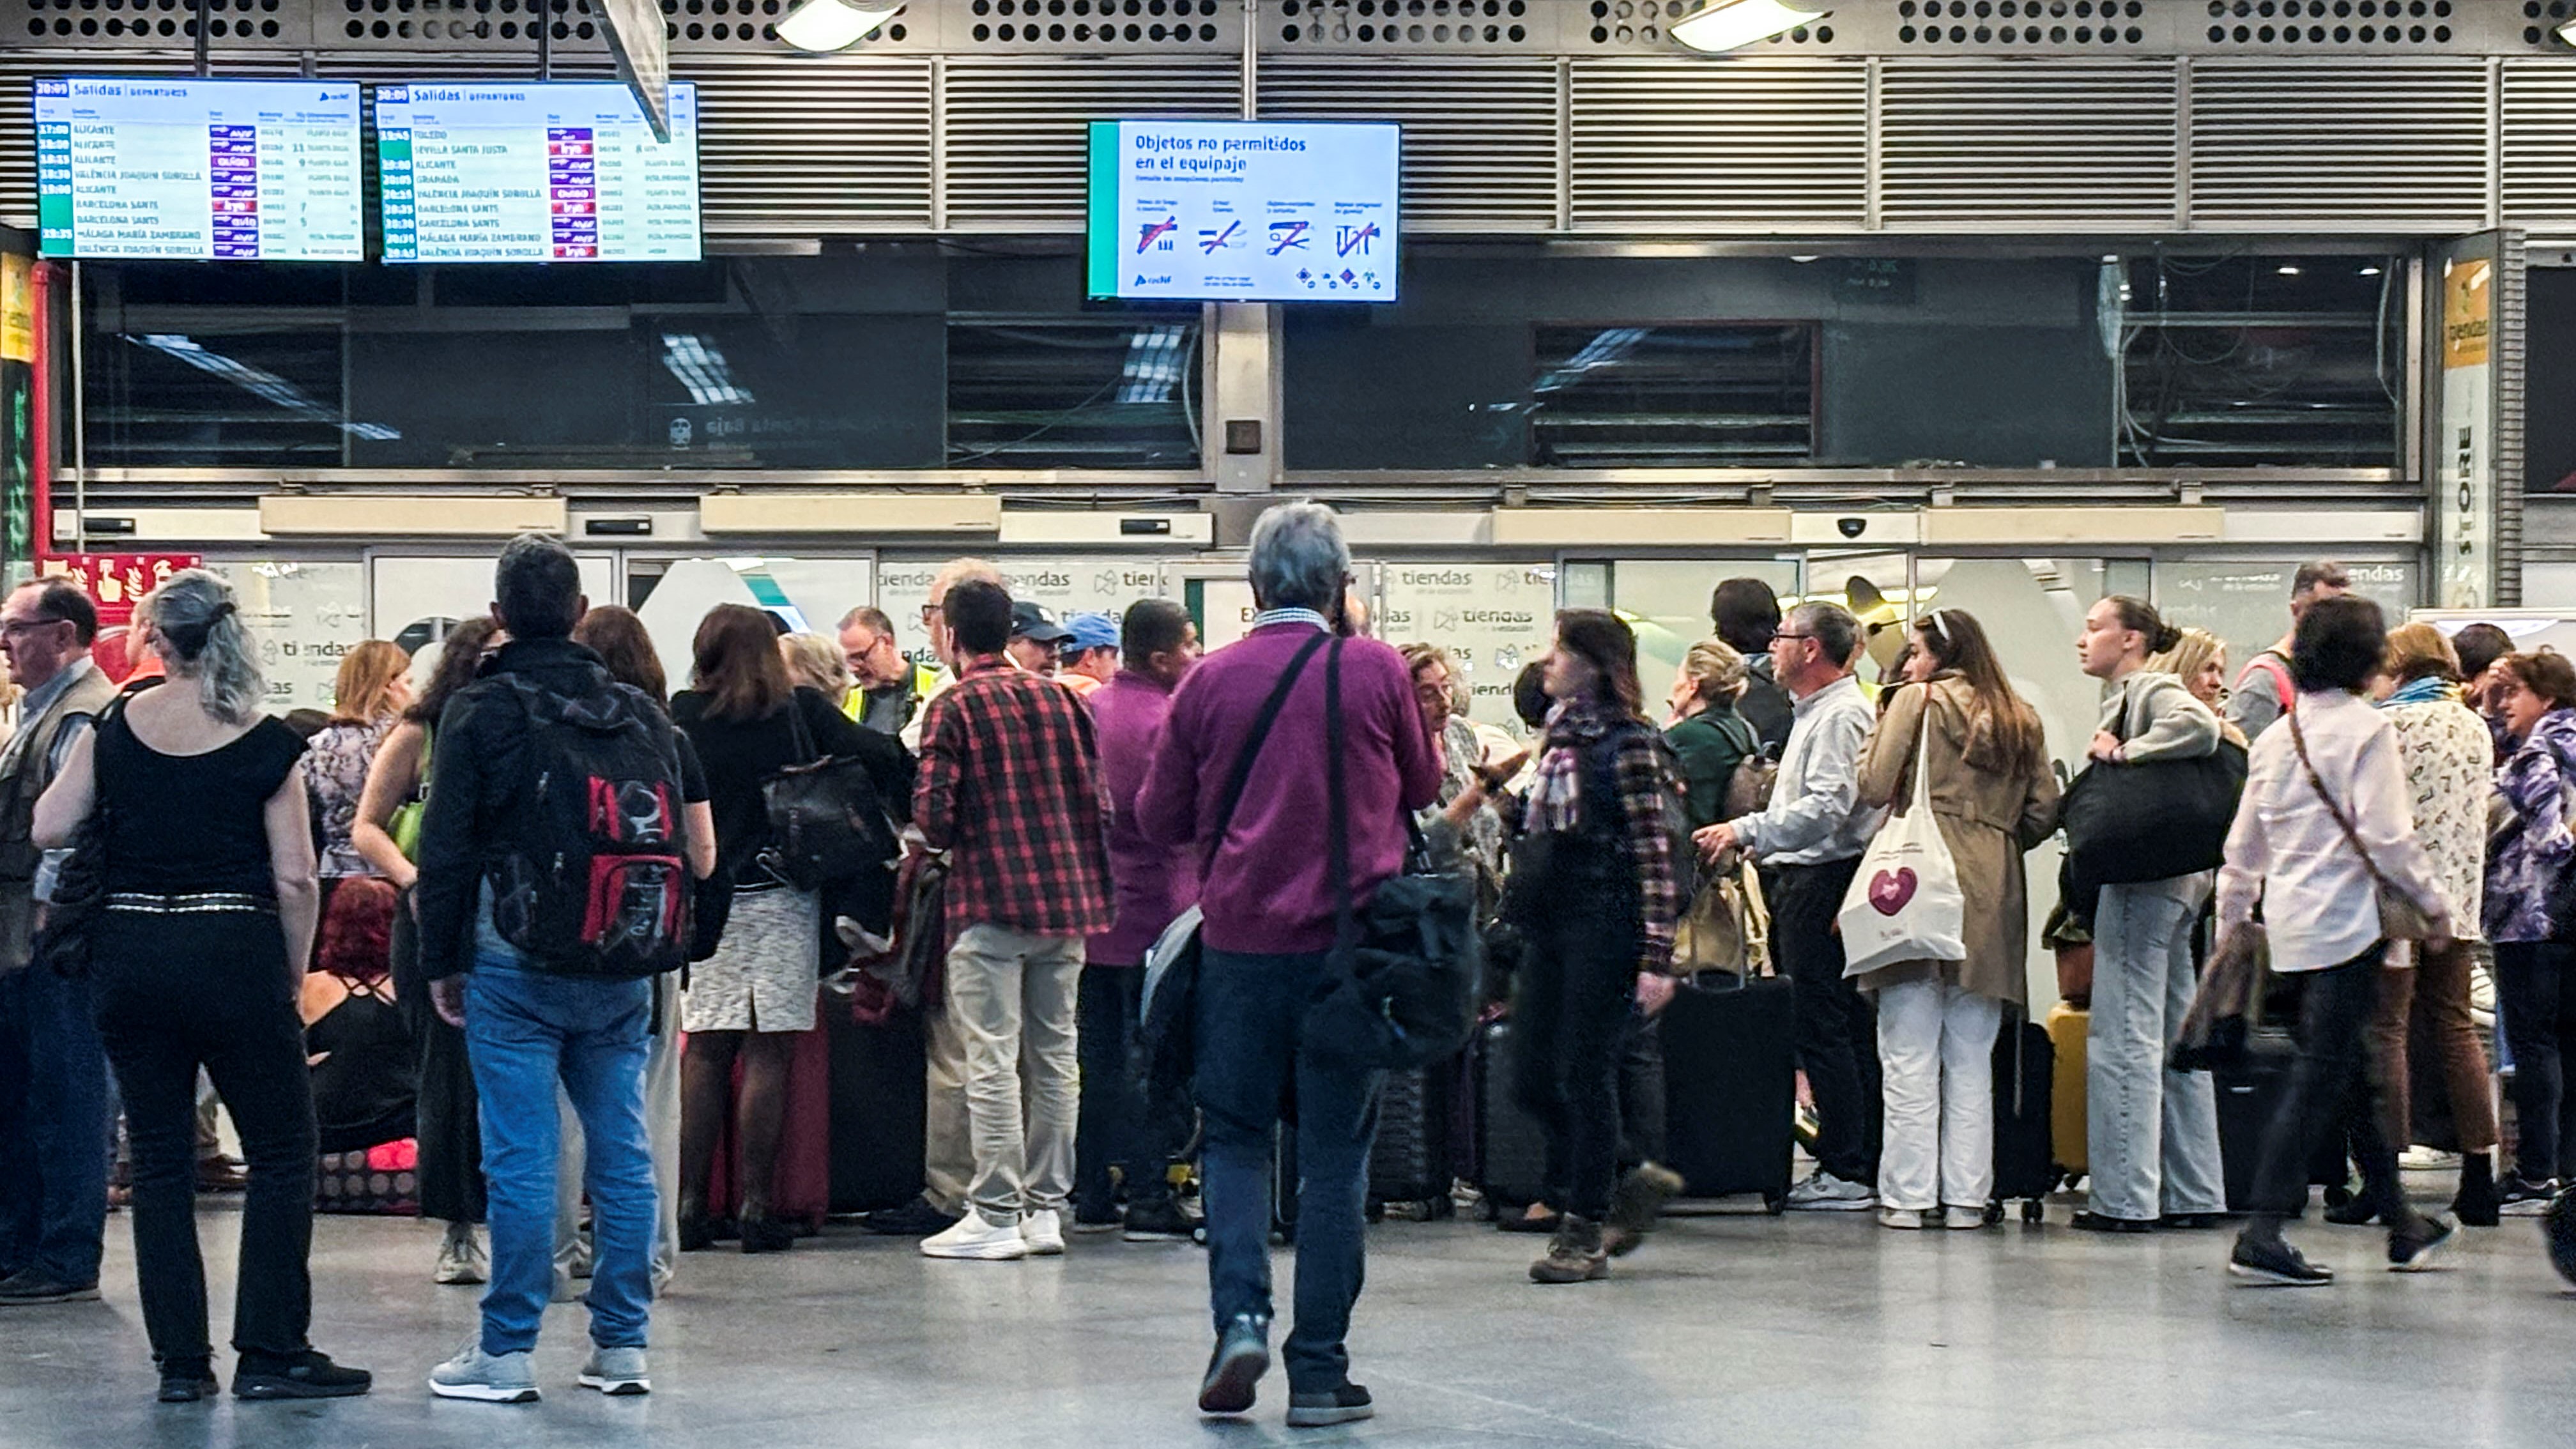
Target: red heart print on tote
pixel 1889 890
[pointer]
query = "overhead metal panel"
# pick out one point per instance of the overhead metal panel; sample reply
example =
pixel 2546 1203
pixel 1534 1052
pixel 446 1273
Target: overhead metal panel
pixel 1012 137
pixel 1480 137
pixel 2391 146
pixel 2537 145
pixel 2016 145
pixel 1719 146
pixel 818 147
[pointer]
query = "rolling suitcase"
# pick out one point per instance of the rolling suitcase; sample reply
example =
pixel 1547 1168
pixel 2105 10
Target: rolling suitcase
pixel 1410 1167
pixel 2250 1095
pixel 2025 1081
pixel 878 1097
pixel 1730 1086
pixel 2068 1028
pixel 1511 1145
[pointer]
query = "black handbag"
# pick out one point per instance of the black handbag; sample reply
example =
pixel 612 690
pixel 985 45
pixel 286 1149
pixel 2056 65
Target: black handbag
pixel 1402 990
pixel 826 824
pixel 80 885
pixel 2149 821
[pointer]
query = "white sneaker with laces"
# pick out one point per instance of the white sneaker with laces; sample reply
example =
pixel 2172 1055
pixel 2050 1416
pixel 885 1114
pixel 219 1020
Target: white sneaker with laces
pixel 462 1258
pixel 616 1372
pixel 975 1239
pixel 1043 1231
pixel 1824 1192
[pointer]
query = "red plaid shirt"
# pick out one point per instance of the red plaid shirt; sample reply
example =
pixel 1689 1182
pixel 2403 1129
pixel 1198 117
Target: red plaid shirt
pixel 1010 787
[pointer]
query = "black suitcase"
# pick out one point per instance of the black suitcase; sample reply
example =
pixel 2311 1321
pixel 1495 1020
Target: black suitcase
pixel 2025 1081
pixel 1410 1164
pixel 1511 1145
pixel 879 1096
pixel 2249 1097
pixel 1730 1087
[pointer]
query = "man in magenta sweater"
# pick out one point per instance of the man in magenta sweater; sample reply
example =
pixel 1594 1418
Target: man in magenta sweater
pixel 1152 884
pixel 1271 903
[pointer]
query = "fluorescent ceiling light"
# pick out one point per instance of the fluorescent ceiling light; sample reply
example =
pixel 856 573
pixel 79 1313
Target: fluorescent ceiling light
pixel 829 25
pixel 2567 32
pixel 1731 24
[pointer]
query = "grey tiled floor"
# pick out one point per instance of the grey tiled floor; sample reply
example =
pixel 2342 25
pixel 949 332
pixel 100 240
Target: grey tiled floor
pixel 1727 1330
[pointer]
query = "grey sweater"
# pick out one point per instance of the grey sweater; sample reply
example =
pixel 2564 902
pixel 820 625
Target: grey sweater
pixel 2159 719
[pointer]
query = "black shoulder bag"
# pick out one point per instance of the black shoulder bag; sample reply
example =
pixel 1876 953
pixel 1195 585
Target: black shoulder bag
pixel 2155 820
pixel 80 887
pixel 1403 978
pixel 826 824
pixel 1171 1008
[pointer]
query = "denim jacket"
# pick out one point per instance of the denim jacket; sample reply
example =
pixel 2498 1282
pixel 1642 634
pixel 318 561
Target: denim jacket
pixel 2536 850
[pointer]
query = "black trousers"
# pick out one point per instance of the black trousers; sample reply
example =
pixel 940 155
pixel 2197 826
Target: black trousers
pixel 447 1114
pixel 1641 1091
pixel 2536 986
pixel 211 989
pixel 1573 1000
pixel 2335 1068
pixel 1115 1124
pixel 1837 1027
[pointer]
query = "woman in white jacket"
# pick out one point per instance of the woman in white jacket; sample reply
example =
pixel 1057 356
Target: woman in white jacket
pixel 2153 1133
pixel 2326 830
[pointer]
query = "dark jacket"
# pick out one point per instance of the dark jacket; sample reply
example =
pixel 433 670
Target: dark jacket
pixel 1766 705
pixel 741 755
pixel 474 787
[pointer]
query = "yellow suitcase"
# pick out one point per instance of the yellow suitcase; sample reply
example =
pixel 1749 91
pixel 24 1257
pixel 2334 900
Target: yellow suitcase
pixel 2067 1028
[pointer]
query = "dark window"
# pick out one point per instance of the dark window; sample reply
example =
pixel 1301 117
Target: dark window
pixel 1706 396
pixel 2243 362
pixel 1111 391
pixel 268 399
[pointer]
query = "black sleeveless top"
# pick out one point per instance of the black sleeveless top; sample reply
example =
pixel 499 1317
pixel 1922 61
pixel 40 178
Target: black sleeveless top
pixel 190 824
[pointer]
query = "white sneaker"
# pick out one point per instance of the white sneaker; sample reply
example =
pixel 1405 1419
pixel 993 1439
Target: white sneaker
pixel 1963 1219
pixel 974 1238
pixel 1906 1219
pixel 506 1378
pixel 1043 1231
pixel 1824 1192
pixel 462 1259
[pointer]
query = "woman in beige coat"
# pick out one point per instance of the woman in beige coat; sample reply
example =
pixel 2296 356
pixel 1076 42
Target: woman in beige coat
pixel 1994 798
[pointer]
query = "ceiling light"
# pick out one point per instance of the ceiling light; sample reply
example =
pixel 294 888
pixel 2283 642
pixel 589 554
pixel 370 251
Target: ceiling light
pixel 2289 271
pixel 1803 260
pixel 828 25
pixel 1733 24
pixel 2374 271
pixel 2567 32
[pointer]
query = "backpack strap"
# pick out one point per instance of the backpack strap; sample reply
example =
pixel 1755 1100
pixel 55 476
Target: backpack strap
pixel 2271 663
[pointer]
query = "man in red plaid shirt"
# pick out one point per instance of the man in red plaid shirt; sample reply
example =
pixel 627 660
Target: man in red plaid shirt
pixel 1010 787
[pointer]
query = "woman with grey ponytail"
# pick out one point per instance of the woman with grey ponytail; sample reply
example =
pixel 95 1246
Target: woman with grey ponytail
pixel 197 630
pixel 205 851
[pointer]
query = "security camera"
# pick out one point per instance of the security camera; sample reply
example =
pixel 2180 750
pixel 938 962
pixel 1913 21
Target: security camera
pixel 1852 527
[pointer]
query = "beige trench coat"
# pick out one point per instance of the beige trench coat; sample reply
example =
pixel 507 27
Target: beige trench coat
pixel 1987 818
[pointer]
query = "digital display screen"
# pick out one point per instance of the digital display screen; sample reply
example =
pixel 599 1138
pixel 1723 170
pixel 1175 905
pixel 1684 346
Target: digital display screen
pixel 156 167
pixel 1243 211
pixel 565 172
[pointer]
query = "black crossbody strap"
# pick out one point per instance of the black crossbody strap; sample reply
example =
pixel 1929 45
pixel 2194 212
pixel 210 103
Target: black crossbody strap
pixel 1345 914
pixel 1242 775
pixel 806 754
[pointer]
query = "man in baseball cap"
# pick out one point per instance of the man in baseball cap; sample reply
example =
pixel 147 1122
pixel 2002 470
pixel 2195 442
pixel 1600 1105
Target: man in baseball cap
pixel 1035 637
pixel 1091 654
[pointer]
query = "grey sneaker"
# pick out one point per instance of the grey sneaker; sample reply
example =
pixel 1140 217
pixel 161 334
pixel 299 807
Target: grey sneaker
pixel 1824 1192
pixel 1344 1405
pixel 506 1378
pixel 615 1372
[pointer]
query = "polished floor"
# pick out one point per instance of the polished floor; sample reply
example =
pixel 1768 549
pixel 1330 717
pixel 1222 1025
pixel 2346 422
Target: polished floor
pixel 1823 1331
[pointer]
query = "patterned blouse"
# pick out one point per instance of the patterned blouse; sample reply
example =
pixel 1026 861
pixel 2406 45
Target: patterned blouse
pixel 335 775
pixel 2446 752
pixel 2535 850
pixel 1482 840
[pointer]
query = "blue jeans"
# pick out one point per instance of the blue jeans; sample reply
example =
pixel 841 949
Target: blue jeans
pixel 2153 1133
pixel 1251 1066
pixel 53 1127
pixel 527 1031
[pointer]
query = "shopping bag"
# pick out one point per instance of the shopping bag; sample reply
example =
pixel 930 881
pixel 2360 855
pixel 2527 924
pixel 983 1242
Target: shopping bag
pixel 1905 904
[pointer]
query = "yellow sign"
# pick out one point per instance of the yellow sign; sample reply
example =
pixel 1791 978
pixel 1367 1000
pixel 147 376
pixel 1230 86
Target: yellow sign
pixel 17 308
pixel 2468 296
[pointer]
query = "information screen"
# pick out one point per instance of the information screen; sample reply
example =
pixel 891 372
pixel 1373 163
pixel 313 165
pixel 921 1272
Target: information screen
pixel 229 169
pixel 535 173
pixel 1243 211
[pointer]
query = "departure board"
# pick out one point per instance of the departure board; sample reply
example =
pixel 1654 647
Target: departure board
pixel 178 168
pixel 564 172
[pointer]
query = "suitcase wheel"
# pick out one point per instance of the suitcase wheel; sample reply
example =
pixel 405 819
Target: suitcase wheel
pixel 2034 1211
pixel 1994 1212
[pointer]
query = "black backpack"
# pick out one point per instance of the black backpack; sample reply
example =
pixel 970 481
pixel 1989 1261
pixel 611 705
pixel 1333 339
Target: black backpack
pixel 592 882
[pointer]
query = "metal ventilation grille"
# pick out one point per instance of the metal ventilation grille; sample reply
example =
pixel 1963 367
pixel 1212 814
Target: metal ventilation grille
pixel 1012 130
pixel 1719 146
pixel 1403 26
pixel 1479 139
pixel 825 146
pixel 1963 143
pixel 2339 147
pixel 2538 144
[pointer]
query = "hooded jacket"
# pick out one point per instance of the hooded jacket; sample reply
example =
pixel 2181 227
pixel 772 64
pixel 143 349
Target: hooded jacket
pixel 2535 852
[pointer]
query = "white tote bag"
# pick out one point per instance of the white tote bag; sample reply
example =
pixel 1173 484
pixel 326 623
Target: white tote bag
pixel 1905 905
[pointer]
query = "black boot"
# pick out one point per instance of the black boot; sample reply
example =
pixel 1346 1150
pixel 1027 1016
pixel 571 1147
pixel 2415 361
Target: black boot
pixel 2476 1205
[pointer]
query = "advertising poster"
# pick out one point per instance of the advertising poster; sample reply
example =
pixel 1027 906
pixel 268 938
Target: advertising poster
pixel 2461 456
pixel 304 617
pixel 1494 619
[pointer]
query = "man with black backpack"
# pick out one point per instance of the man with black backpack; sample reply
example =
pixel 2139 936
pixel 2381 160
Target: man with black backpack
pixel 552 883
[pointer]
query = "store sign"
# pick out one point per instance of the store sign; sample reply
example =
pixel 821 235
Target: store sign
pixel 1065 585
pixel 17 308
pixel 1492 618
pixel 116 582
pixel 2463 456
pixel 303 618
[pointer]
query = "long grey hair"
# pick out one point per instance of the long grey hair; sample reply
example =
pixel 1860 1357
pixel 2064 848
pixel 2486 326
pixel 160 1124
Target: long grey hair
pixel 202 638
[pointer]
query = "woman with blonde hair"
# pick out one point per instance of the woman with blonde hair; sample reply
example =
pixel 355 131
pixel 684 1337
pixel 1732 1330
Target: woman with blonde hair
pixel 374 688
pixel 2199 660
pixel 1707 734
pixel 814 662
pixel 197 958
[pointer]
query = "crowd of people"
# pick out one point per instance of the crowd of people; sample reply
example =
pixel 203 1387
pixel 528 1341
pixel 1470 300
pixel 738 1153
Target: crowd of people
pixel 461 918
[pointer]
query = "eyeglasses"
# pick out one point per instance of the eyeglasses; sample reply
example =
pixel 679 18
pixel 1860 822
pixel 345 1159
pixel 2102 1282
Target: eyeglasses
pixel 14 627
pixel 1785 634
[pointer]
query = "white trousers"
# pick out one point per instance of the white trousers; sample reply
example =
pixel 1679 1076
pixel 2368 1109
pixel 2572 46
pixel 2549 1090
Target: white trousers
pixel 1936 1047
